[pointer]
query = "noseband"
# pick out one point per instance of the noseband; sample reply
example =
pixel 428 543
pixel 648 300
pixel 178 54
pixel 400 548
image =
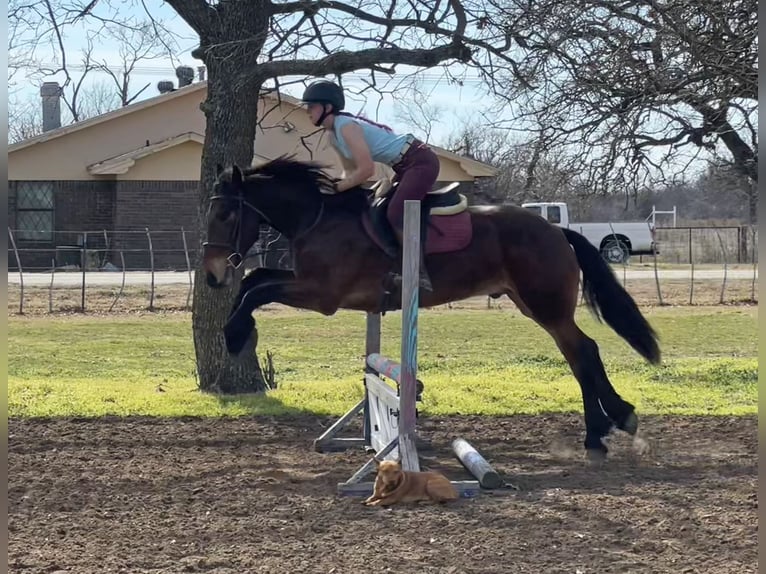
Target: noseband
pixel 235 259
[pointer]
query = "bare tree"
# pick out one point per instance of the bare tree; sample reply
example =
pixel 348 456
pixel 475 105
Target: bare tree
pixel 98 98
pixel 413 108
pixel 25 114
pixel 25 119
pixel 527 169
pixel 38 49
pixel 136 45
pixel 636 89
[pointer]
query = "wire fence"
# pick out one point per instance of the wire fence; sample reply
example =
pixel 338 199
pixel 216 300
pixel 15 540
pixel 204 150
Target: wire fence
pixel 146 269
pixel 705 245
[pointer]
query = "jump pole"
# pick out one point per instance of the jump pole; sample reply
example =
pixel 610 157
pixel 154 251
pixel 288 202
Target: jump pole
pixel 476 464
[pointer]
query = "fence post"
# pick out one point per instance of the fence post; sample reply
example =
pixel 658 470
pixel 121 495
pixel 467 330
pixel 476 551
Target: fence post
pixel 106 249
pixel 656 274
pixel 50 287
pixel 739 244
pixel 83 265
pixel 21 273
pixel 122 286
pixel 725 266
pixel 690 245
pixel 188 267
pixel 151 263
pixel 691 260
pixel 753 245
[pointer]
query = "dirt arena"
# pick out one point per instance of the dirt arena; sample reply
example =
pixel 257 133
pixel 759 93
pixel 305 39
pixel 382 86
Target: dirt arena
pixel 247 495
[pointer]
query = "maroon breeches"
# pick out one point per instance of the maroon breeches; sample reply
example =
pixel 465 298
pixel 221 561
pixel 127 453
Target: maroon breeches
pixel 416 173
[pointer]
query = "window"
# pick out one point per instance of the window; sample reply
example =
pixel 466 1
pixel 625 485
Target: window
pixel 536 209
pixel 34 211
pixel 554 214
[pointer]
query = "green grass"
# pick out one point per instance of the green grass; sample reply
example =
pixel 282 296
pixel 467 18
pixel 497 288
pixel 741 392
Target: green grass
pixel 472 362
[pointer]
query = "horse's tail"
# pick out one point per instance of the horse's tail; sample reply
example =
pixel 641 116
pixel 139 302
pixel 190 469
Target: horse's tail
pixel 606 297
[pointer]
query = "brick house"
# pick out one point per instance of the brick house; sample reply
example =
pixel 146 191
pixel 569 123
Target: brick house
pixel 108 179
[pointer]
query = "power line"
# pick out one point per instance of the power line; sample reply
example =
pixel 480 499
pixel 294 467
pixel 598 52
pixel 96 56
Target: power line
pixel 170 72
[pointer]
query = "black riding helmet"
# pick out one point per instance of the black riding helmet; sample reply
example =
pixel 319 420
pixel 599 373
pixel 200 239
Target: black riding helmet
pixel 324 92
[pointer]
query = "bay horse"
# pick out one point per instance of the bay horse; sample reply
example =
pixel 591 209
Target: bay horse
pixel 337 265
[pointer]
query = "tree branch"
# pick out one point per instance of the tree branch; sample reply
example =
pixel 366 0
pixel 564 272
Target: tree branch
pixel 343 62
pixel 196 13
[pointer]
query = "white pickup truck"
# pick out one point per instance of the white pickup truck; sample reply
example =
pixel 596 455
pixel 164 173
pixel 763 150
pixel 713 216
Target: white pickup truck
pixel 616 241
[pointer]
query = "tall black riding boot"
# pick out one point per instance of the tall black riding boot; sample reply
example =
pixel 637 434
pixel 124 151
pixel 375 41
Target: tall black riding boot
pixel 424 280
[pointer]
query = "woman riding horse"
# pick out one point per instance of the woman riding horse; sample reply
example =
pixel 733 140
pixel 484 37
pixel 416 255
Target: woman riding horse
pixel 360 142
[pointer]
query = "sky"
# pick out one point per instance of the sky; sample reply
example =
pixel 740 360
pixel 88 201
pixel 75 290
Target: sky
pixel 456 104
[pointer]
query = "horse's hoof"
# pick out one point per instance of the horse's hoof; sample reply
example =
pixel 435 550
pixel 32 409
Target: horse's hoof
pixel 234 345
pixel 251 342
pixel 237 335
pixel 630 424
pixel 595 456
pixel 640 446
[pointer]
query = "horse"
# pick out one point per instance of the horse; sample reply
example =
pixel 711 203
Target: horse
pixel 338 264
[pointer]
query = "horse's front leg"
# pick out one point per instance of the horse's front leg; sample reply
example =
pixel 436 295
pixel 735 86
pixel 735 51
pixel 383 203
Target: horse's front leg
pixel 257 277
pixel 291 292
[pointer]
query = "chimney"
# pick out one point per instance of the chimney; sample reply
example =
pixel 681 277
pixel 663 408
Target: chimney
pixel 201 73
pixel 185 75
pixel 51 96
pixel 165 86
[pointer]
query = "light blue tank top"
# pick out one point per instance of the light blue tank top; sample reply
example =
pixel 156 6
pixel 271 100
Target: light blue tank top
pixel 384 146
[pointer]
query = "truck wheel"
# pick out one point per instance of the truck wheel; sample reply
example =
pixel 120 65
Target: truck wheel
pixel 615 251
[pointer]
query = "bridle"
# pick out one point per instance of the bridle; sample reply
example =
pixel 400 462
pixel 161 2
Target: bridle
pixel 235 259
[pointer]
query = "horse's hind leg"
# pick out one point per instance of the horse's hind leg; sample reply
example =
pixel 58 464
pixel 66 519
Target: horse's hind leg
pixel 598 423
pixel 607 408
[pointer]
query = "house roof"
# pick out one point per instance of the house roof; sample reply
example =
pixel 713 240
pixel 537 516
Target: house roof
pixel 123 162
pixel 119 112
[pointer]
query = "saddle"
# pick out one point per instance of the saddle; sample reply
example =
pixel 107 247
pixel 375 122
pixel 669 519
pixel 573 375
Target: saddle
pixel 444 201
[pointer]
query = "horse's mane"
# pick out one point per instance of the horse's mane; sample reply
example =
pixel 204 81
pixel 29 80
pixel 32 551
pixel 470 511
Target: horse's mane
pixel 311 175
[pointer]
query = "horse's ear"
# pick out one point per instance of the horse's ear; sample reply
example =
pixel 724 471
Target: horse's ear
pixel 218 170
pixel 236 176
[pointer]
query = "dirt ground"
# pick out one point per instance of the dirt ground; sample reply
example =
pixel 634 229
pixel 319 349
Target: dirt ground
pixel 250 495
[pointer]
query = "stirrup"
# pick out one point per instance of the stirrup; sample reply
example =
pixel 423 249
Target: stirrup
pixel 424 281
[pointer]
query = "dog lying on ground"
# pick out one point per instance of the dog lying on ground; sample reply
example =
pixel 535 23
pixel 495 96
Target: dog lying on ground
pixel 394 485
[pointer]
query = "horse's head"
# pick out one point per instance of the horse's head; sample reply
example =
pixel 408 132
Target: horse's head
pixel 287 194
pixel 233 224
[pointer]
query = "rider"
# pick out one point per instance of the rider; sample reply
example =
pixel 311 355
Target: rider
pixel 360 142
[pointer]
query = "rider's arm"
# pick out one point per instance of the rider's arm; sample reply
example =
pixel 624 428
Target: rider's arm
pixel 363 166
pixel 348 165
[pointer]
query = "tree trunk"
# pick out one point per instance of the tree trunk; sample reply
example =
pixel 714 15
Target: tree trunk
pixel 230 133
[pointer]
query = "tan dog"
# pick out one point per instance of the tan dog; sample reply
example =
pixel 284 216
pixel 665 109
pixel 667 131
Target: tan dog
pixel 394 485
